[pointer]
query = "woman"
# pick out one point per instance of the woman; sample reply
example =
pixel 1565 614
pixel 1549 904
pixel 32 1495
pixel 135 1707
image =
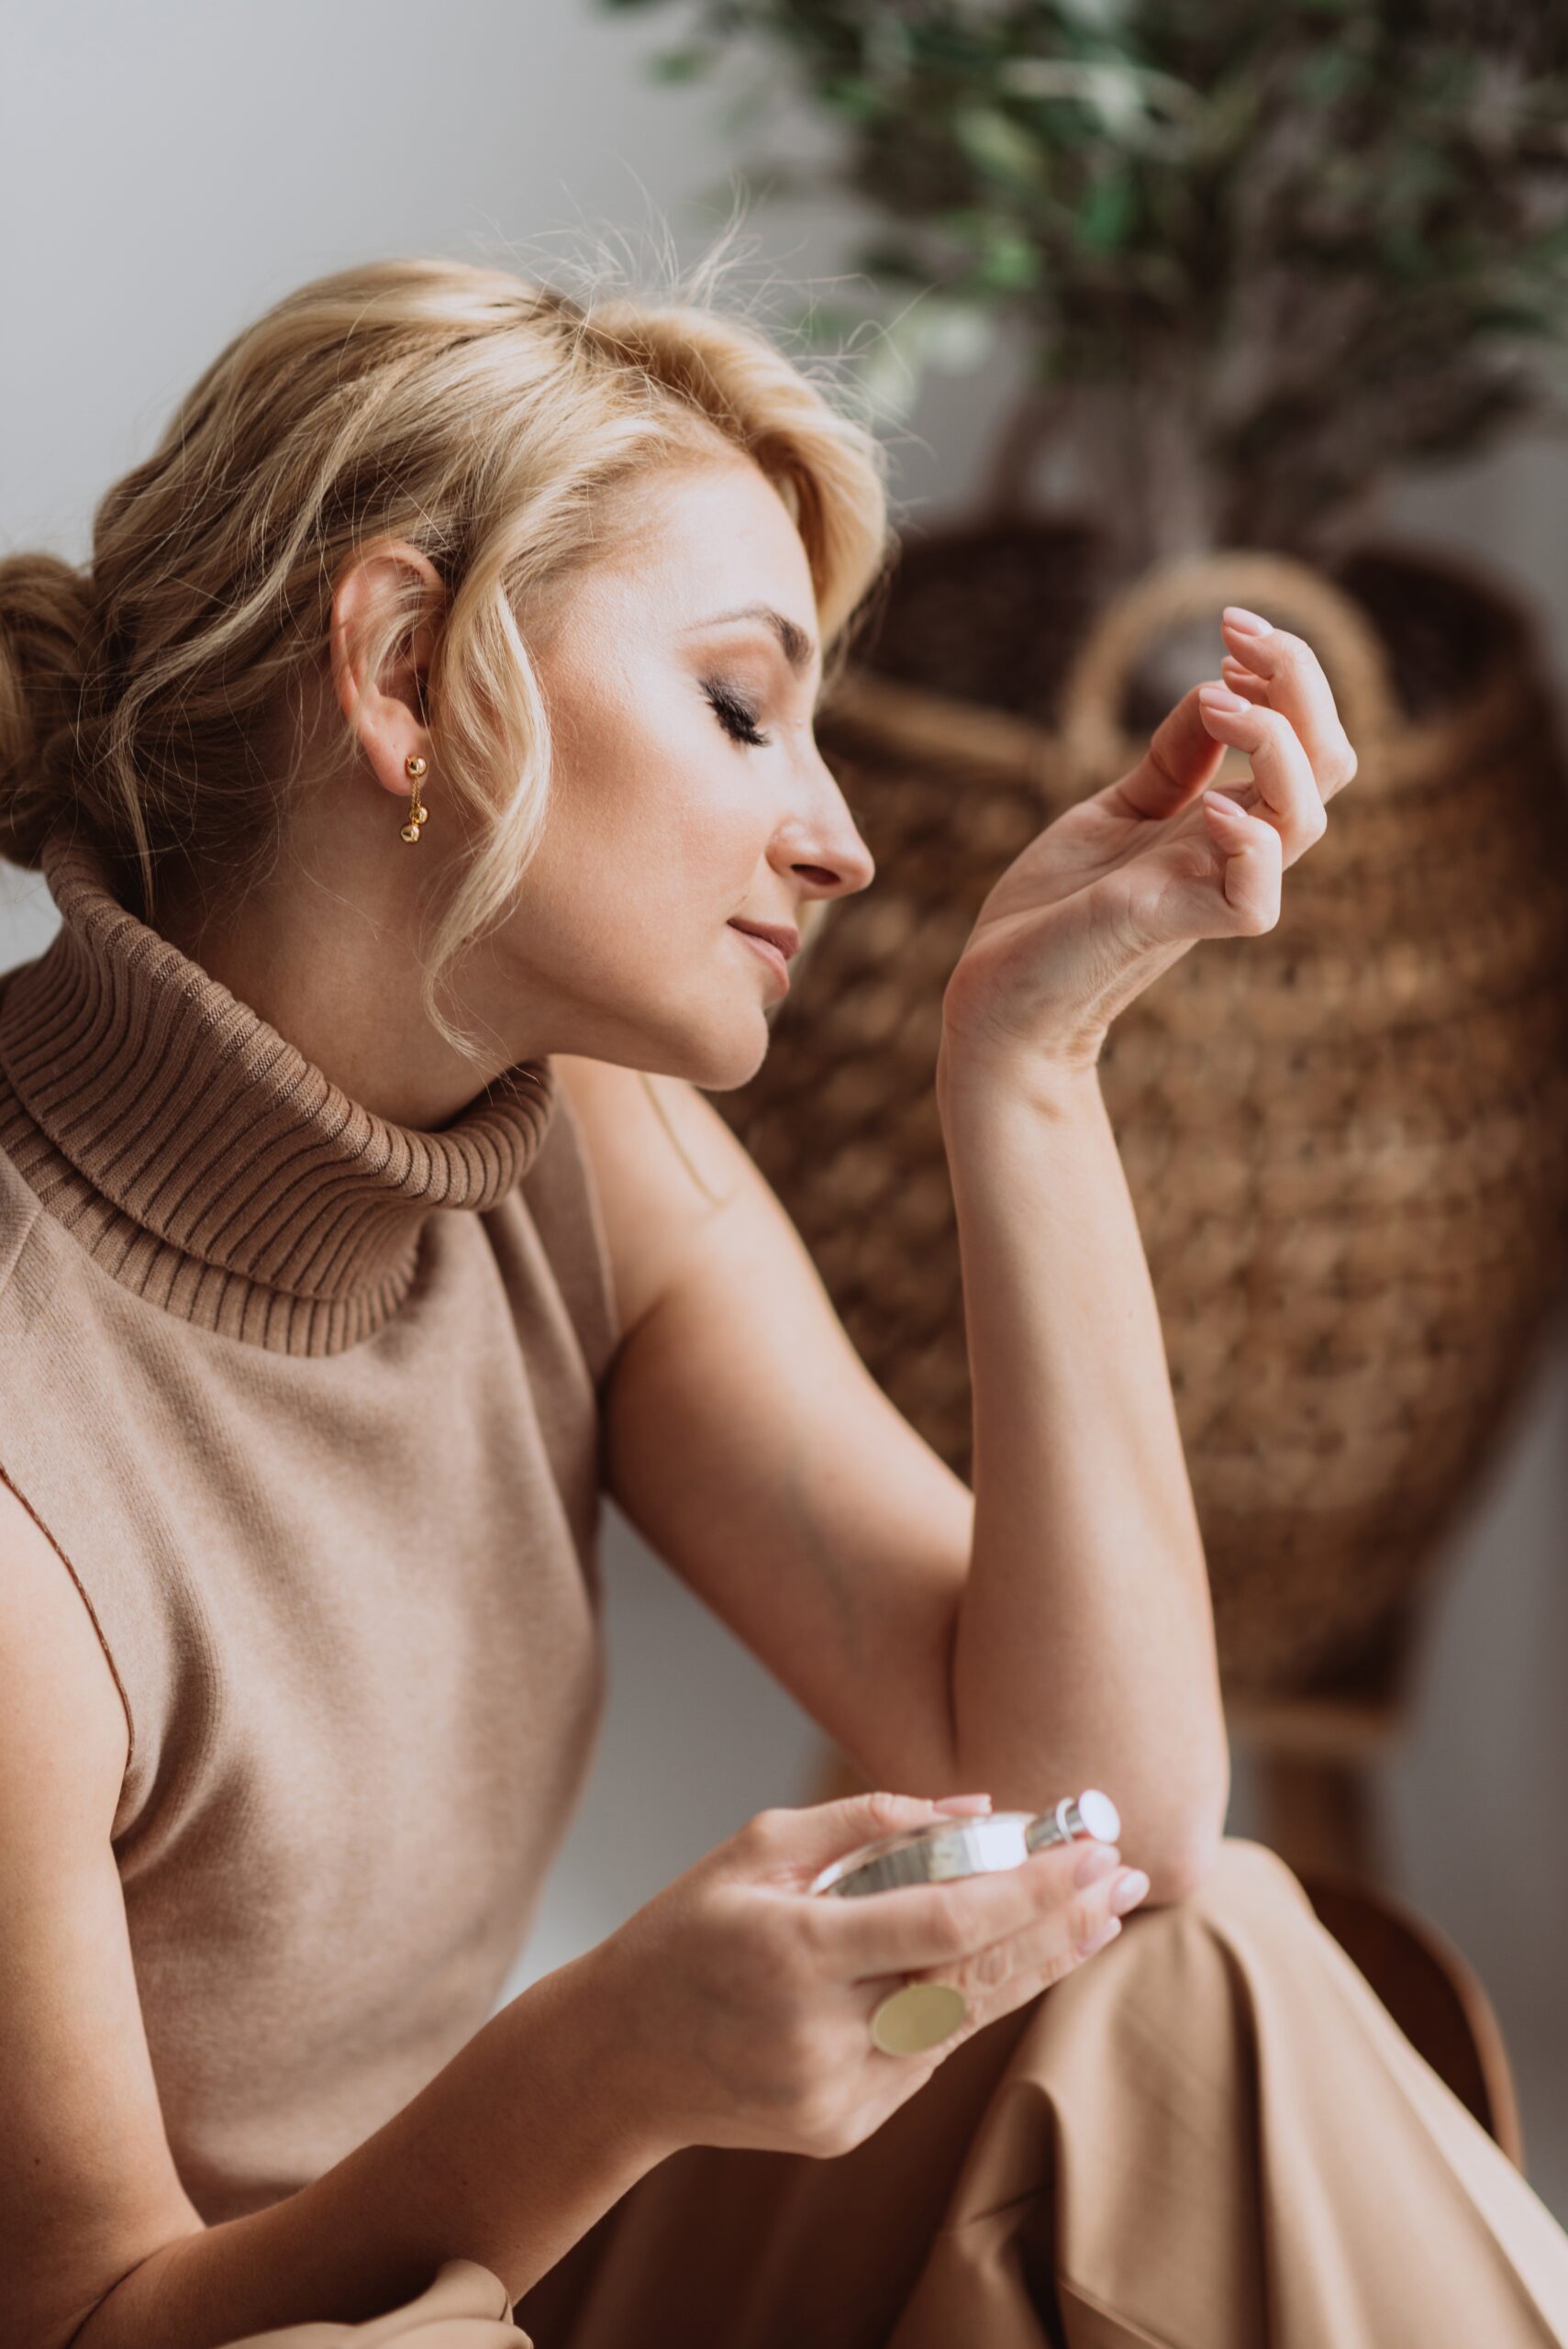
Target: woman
pixel 416 772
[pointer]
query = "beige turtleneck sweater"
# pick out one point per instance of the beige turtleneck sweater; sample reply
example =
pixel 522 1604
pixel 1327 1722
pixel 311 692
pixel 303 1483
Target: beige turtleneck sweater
pixel 308 1402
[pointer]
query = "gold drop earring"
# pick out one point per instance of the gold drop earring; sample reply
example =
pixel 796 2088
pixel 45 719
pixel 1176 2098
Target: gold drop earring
pixel 418 811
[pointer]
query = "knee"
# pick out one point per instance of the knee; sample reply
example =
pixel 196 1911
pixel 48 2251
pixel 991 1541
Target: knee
pixel 1203 1962
pixel 1190 1983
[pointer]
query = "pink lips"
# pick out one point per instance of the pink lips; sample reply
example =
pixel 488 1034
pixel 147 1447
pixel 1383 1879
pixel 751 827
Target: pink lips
pixel 768 951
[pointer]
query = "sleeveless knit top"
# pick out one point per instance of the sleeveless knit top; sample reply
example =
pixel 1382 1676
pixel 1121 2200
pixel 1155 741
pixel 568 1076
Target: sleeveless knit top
pixel 308 1402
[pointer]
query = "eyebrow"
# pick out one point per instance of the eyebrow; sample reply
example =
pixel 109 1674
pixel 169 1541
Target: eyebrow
pixel 798 648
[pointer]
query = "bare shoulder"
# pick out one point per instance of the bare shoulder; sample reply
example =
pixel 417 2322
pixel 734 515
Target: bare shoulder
pixel 87 2180
pixel 664 1164
pixel 53 1669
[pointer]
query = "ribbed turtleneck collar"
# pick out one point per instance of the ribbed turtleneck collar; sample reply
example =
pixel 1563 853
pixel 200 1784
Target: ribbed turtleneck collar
pixel 202 1158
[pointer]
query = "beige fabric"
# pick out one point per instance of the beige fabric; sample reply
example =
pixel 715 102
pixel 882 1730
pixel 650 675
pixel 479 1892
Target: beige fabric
pixel 1211 2135
pixel 323 1460
pixel 465 2307
pixel 309 1405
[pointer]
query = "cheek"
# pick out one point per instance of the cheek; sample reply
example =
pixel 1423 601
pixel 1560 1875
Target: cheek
pixel 690 844
pixel 655 839
pixel 611 904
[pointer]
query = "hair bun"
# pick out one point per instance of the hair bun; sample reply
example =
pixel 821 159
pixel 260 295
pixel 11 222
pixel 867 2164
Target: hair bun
pixel 46 616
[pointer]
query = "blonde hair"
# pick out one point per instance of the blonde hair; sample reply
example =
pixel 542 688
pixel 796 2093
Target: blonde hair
pixel 497 423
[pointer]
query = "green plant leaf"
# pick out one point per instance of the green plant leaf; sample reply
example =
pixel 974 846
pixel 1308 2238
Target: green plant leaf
pixel 998 147
pixel 1326 75
pixel 1335 225
pixel 1108 214
pixel 1009 260
pixel 682 65
pixel 852 97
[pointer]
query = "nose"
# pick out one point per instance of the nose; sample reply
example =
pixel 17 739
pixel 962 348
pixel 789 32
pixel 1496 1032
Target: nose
pixel 823 848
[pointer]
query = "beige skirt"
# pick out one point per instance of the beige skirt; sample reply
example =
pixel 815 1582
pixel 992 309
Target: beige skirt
pixel 1212 2135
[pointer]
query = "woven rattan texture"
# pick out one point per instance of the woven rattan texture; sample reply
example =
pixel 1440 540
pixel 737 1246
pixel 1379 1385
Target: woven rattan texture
pixel 1346 1140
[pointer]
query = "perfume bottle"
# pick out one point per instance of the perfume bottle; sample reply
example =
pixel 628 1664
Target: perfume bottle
pixel 945 1848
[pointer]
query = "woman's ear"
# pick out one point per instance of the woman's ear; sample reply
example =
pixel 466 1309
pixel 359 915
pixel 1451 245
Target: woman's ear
pixel 386 608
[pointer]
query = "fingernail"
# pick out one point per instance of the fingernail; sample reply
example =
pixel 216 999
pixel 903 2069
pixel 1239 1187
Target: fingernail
pixel 1108 1932
pixel 961 1802
pixel 1247 623
pixel 1126 1892
pixel 1216 803
pixel 1099 1860
pixel 1221 698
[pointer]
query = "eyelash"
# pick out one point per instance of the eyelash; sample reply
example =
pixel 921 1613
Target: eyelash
pixel 737 721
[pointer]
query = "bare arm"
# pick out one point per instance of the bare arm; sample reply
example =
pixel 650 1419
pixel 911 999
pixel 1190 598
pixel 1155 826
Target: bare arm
pixel 752 1447
pixel 1087 1593
pixel 1086 1548
pixel 506 2157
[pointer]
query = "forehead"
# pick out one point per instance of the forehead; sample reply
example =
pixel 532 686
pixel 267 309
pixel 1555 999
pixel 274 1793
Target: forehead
pixel 703 538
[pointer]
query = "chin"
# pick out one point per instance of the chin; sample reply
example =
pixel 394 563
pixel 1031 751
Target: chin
pixel 723 1063
pixel 727 1073
pixel 716 1055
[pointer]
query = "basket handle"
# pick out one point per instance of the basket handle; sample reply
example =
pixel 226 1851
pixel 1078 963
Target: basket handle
pixel 1195 587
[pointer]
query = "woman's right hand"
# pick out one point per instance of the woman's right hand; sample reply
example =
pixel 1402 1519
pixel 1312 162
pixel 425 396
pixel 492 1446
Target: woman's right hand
pixel 748 2000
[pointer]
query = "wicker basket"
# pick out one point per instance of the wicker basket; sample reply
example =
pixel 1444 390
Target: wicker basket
pixel 1347 1140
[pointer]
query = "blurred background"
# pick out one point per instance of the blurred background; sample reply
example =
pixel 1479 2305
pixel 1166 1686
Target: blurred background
pixel 1268 309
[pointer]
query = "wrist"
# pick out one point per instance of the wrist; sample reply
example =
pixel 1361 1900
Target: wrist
pixel 582 2029
pixel 973 1075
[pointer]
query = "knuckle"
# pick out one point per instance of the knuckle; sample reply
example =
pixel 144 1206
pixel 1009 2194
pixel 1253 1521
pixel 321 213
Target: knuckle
pixel 992 1968
pixel 1057 1968
pixel 1057 1882
pixel 762 1936
pixel 811 1940
pixel 1275 736
pixel 1085 1917
pixel 950 1922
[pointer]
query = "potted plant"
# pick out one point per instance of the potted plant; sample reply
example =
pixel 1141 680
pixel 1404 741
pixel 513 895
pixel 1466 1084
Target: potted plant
pixel 1259 253
pixel 1258 258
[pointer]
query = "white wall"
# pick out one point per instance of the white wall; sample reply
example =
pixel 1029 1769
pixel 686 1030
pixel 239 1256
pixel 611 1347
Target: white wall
pixel 172 168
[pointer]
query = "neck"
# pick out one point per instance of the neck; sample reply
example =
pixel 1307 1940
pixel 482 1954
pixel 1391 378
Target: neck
pixel 202 1157
pixel 337 970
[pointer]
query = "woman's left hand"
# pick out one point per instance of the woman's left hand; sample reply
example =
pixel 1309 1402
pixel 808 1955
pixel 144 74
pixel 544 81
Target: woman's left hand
pixel 1117 889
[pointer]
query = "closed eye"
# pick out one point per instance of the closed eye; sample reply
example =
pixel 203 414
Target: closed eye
pixel 737 717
